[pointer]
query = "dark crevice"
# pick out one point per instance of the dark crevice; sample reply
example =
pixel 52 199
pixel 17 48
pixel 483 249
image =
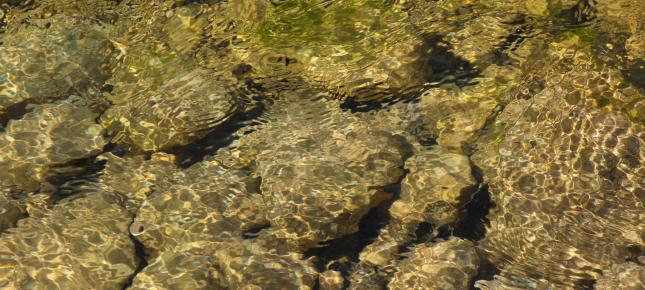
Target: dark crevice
pixel 581 14
pixel 342 254
pixel 348 247
pixel 585 284
pixel 316 285
pixel 140 253
pixel 179 3
pixel 634 251
pixel 116 149
pixel 424 135
pixel 72 176
pixel 473 216
pixel 472 225
pixel 423 232
pixel 486 271
pixel 511 43
pixel 255 232
pixel 636 73
pixel 14 112
pixel 442 66
pixel 372 224
pixel 387 99
pixel 14 195
pixel 442 233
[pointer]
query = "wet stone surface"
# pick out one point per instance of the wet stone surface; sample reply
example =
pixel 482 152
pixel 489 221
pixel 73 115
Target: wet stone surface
pixel 39 65
pixel 46 140
pixel 572 186
pixel 79 243
pixel 447 264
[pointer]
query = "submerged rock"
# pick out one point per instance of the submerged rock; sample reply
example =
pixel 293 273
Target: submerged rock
pixel 450 264
pixel 136 177
pixel 438 185
pixel 208 203
pixel 46 141
pixel 514 283
pixel 322 170
pixel 242 264
pixel 452 117
pixel 179 112
pixel 331 280
pixel 173 83
pixel 543 97
pixel 41 12
pixel 361 49
pixel 628 276
pixel 176 270
pixel 39 65
pixel 81 243
pixel 567 180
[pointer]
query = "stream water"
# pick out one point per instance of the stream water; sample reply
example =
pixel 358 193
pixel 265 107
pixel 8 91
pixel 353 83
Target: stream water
pixel 322 144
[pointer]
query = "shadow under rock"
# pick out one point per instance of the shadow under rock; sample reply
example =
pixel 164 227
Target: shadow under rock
pixel 224 134
pixel 14 112
pixel 636 73
pixel 473 224
pixel 140 253
pixel 346 249
pixel 581 14
pixel 438 65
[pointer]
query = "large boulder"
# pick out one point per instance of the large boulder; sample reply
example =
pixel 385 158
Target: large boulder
pixel 322 175
pixel 183 110
pixel 567 174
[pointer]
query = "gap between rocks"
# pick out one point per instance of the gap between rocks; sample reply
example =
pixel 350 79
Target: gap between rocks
pixel 140 253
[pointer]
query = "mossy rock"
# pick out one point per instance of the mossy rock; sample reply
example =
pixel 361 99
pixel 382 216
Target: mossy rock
pixel 361 49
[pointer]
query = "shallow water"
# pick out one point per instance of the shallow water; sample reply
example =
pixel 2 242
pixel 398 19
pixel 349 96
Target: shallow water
pixel 322 144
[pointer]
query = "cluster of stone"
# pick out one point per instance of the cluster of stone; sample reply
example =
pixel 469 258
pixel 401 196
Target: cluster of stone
pixel 353 139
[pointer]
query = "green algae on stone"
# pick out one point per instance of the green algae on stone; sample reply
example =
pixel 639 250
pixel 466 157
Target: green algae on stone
pixel 586 34
pixel 357 49
pixel 144 66
pixel 299 23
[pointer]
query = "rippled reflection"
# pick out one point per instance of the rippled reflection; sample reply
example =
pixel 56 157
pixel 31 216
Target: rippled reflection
pixel 322 144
